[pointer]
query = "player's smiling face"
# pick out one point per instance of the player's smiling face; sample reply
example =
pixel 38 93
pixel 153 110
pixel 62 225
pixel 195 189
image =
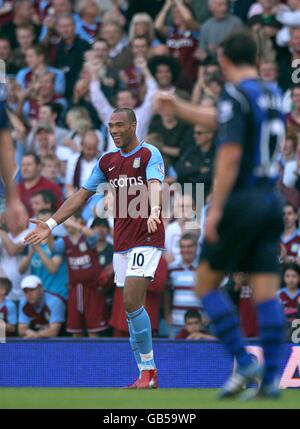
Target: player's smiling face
pixel 121 129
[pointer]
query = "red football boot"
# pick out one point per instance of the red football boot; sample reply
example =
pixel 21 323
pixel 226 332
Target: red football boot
pixel 147 380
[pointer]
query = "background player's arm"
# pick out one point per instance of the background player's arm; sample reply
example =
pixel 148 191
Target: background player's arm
pixel 169 104
pixel 69 207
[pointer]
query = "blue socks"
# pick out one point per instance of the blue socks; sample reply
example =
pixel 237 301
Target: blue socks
pixel 271 327
pixel 141 338
pixel 226 325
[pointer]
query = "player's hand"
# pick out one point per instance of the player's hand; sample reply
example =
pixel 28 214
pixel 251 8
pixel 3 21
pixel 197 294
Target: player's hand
pixel 153 220
pixel 16 217
pixel 39 234
pixel 211 225
pixel 165 103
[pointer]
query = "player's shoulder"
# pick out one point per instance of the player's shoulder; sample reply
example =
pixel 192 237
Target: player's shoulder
pixel 235 96
pixel 107 156
pixel 53 299
pixel 10 305
pixel 151 150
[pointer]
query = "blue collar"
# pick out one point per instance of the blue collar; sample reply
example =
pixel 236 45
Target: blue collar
pixel 136 149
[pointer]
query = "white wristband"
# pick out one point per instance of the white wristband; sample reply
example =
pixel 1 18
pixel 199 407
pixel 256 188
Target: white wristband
pixel 51 223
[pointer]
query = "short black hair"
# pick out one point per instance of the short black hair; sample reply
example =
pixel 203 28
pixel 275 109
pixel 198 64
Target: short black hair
pixel 292 266
pixel 36 158
pixel 129 112
pixel 189 236
pixel 288 204
pixel 192 314
pixel 48 197
pixel 5 282
pixel 168 61
pixel 240 48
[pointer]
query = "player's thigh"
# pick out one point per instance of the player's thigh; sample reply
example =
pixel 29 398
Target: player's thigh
pixel 141 268
pixel 120 263
pixel 143 262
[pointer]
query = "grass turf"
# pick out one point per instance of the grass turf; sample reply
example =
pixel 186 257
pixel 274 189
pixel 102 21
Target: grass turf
pixel 61 398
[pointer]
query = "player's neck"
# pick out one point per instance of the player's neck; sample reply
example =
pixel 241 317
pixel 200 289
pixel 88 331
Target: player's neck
pixel 242 73
pixel 131 146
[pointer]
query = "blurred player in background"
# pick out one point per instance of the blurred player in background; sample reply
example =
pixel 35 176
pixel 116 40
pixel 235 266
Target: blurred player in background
pixel 244 220
pixel 16 216
pixel 138 240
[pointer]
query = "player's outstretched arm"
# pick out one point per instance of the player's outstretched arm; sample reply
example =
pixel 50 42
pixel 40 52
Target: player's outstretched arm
pixel 70 206
pixel 169 104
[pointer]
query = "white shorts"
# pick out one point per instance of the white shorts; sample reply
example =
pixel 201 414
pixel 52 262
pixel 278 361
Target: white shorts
pixel 137 262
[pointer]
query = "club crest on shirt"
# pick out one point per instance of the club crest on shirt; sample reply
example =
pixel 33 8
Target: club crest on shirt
pixel 82 247
pixel 137 162
pixel 161 168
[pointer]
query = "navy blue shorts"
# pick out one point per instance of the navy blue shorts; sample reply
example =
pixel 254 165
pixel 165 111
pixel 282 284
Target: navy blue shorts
pixel 249 234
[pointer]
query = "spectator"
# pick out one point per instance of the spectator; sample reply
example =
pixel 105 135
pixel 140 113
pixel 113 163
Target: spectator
pixel 42 260
pixel 88 22
pixel 107 74
pixel 216 28
pixel 113 34
pixel 288 167
pixel 293 118
pixel 70 52
pixel 143 113
pixel 288 18
pixel 184 218
pixel 11 250
pixel 206 72
pixel 141 25
pixel 23 13
pixel 166 71
pixel 154 294
pixel 42 313
pixel 25 37
pixel 8 310
pixel 87 305
pixel 104 246
pixel 51 169
pixel 6 55
pixel 241 293
pixel 48 114
pixel 286 57
pixel 194 328
pixel 268 71
pixel 42 200
pixel 43 140
pixel 289 295
pixel 33 181
pixel 132 77
pixel 29 76
pixel 181 295
pixel 80 166
pixel 6 11
pixel 182 36
pixel 196 163
pixel 290 239
pixel 173 132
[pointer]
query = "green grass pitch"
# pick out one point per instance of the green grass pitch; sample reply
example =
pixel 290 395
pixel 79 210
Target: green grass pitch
pixel 61 398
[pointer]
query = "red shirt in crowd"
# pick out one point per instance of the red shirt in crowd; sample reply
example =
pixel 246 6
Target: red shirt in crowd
pixel 42 184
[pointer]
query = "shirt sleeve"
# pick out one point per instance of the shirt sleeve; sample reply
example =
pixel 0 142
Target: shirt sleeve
pixel 59 247
pixel 155 168
pixel 12 318
pixel 231 120
pixel 3 116
pixel 57 311
pixel 96 178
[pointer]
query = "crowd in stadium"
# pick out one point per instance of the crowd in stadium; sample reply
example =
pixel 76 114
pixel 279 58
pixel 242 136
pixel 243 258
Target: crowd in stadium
pixel 68 64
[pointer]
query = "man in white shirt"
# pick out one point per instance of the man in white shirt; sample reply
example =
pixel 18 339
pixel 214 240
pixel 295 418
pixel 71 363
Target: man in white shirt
pixel 125 99
pixel 80 165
